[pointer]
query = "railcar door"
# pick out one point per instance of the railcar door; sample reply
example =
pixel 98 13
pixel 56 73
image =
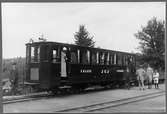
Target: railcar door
pixel 63 63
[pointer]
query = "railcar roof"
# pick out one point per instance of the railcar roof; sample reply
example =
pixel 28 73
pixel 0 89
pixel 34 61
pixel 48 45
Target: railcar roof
pixel 66 44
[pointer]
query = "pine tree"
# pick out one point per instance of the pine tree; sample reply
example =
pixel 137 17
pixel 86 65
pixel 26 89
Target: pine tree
pixel 83 38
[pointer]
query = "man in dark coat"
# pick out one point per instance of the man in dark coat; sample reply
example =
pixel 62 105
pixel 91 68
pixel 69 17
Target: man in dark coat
pixel 14 78
pixel 127 78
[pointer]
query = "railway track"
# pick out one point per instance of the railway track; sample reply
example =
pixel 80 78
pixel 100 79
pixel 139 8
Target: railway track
pixel 45 95
pixel 39 96
pixel 25 98
pixel 109 104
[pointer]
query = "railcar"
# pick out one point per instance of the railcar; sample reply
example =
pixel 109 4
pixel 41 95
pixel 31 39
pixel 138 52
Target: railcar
pixel 52 65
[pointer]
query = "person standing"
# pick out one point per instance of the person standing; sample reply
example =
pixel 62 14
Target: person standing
pixel 140 77
pixel 127 78
pixel 14 80
pixel 149 74
pixel 156 79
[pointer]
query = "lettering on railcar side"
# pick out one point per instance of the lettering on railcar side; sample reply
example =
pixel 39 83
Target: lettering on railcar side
pixel 105 71
pixel 120 70
pixel 85 71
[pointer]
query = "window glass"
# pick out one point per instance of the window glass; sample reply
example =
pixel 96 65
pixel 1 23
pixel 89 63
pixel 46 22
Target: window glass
pixel 27 54
pixel 119 59
pixel 94 58
pixel 124 60
pixel 54 53
pixel 107 58
pixel 78 52
pixel 131 59
pixel 85 57
pixel 73 57
pixel 35 54
pixel 111 59
pixel 55 56
pixel 38 54
pixel 88 56
pixel 128 59
pixel 97 56
pixel 102 58
pixel 115 58
pixel 32 54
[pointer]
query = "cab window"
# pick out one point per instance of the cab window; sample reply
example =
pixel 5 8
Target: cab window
pixel 55 56
pixel 35 54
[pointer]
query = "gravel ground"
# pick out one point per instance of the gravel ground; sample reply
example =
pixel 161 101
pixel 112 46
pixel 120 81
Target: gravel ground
pixel 62 102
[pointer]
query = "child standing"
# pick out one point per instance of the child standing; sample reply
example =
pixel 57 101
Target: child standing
pixel 156 78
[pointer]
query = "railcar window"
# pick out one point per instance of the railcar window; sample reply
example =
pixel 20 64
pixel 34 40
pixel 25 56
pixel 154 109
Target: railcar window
pixel 38 54
pixel 111 59
pixel 124 60
pixel 54 53
pixel 78 52
pixel 35 54
pixel 108 59
pixel 105 58
pixel 102 58
pixel 55 57
pixel 119 59
pixel 115 58
pixel 131 59
pixel 88 56
pixel 94 58
pixel 85 56
pixel 97 56
pixel 27 54
pixel 32 54
pixel 73 57
pixel 128 59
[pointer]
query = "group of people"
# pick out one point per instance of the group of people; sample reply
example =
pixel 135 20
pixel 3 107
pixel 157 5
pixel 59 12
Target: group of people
pixel 149 75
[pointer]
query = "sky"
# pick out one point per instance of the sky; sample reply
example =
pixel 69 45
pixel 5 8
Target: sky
pixel 113 24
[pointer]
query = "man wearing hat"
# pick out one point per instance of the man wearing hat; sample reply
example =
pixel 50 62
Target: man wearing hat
pixel 140 77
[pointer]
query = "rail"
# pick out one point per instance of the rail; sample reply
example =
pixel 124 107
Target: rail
pixel 109 104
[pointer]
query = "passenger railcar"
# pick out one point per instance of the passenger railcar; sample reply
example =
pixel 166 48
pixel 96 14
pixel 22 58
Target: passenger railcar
pixel 52 65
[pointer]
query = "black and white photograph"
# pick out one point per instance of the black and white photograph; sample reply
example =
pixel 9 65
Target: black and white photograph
pixel 83 57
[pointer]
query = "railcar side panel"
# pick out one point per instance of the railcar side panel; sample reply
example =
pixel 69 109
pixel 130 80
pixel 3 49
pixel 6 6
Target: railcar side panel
pixel 56 64
pixel 45 75
pixel 95 73
pixel 55 74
